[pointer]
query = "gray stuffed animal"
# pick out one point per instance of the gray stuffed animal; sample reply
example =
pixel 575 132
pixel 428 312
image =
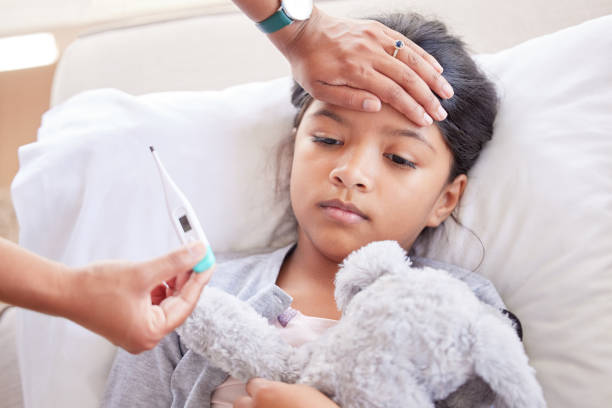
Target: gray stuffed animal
pixel 407 337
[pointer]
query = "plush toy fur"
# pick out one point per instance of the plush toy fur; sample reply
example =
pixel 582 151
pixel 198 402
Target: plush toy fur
pixel 407 337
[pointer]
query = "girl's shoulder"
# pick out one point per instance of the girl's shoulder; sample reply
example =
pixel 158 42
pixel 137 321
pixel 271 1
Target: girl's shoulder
pixel 481 286
pixel 248 273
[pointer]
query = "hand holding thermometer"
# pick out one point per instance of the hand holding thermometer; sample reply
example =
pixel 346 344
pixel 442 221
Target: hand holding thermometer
pixel 183 217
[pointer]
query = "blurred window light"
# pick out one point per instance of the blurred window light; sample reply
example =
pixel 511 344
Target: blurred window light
pixel 27 51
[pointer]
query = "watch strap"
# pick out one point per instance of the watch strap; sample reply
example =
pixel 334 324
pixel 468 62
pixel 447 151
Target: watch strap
pixel 275 22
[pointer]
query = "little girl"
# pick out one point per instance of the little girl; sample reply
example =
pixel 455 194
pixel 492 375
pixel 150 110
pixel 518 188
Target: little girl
pixel 355 178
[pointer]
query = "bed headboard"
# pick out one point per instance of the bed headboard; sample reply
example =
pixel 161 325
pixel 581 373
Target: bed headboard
pixel 215 51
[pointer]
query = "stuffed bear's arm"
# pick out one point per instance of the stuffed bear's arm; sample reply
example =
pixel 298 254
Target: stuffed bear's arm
pixel 235 338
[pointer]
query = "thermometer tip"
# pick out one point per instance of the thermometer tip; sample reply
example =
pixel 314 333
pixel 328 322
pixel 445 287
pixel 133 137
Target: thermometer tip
pixel 151 148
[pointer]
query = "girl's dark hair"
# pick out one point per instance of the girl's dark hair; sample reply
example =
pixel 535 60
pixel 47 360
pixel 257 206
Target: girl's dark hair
pixel 472 109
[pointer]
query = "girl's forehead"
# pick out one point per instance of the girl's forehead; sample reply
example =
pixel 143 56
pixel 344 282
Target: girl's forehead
pixel 386 121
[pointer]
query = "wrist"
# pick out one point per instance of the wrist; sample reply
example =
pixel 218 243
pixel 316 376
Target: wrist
pixel 287 37
pixel 53 291
pixel 70 292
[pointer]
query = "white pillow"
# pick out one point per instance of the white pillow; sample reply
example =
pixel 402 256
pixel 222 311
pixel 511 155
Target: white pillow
pixel 540 198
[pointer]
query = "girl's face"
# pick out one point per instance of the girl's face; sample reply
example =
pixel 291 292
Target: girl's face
pixel 361 177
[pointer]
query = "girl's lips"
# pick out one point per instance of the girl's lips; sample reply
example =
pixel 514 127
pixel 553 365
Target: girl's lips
pixel 342 215
pixel 343 212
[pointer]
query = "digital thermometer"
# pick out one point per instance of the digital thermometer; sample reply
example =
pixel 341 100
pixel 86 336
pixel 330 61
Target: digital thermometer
pixel 183 218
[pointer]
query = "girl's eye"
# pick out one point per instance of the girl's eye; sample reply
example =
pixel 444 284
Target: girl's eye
pixel 326 140
pixel 400 160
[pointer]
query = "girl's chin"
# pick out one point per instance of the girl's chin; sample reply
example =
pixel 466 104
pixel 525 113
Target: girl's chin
pixel 332 244
pixel 337 250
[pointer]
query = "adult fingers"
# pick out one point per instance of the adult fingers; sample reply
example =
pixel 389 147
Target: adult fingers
pixel 412 56
pixel 178 307
pixel 158 294
pixel 347 97
pixel 393 94
pixel 394 36
pixel 388 90
pixel 172 264
pixel 181 278
pixel 415 83
pixel 419 61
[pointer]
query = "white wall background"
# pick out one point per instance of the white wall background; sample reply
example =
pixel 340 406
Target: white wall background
pixel 23 16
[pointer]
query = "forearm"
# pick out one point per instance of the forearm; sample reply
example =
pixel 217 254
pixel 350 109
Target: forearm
pixel 31 281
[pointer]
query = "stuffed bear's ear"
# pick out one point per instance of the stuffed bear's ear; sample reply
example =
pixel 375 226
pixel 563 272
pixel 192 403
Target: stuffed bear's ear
pixel 365 265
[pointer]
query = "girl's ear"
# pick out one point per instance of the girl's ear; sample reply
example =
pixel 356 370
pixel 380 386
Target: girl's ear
pixel 446 203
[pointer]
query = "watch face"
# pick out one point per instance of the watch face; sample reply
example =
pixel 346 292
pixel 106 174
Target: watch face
pixel 297 9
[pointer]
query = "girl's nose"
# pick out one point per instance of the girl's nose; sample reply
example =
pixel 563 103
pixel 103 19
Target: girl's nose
pixel 354 171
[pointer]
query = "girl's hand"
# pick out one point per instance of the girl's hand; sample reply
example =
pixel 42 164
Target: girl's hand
pixel 272 394
pixel 349 63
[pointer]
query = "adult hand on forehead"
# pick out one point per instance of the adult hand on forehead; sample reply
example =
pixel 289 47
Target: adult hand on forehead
pixel 350 63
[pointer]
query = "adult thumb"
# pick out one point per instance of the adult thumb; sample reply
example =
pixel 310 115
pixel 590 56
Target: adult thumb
pixel 173 263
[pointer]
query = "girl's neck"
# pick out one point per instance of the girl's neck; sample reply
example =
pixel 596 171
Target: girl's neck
pixel 308 276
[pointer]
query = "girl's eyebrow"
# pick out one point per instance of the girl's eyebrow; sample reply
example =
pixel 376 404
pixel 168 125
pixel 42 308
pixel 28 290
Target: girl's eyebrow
pixel 413 134
pixel 332 115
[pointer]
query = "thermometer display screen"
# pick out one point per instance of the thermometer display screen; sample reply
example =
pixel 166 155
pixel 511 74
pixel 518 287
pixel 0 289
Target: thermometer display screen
pixel 185 223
